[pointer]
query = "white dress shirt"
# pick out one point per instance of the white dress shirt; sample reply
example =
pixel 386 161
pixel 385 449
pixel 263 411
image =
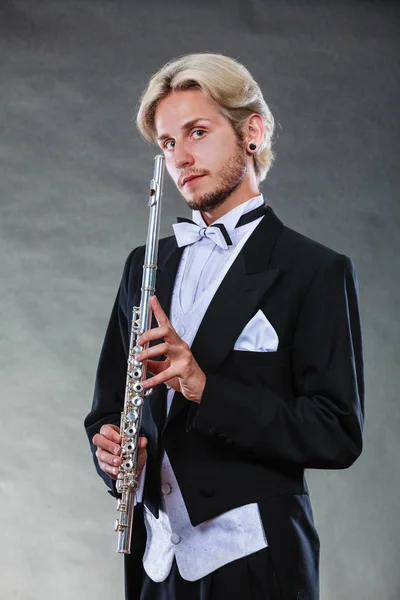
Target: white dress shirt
pixel 239 532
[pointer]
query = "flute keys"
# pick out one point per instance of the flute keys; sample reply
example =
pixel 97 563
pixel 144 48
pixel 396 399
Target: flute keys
pixel 129 447
pixel 137 401
pixel 134 485
pixel 136 387
pixel 136 373
pixel 130 431
pixel 127 465
pixel 121 506
pixel 133 416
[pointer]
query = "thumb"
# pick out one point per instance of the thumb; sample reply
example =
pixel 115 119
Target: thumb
pixel 143 442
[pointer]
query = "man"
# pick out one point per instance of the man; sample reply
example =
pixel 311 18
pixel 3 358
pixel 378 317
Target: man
pixel 255 353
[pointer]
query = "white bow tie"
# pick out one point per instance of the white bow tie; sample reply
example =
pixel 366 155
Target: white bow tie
pixel 187 232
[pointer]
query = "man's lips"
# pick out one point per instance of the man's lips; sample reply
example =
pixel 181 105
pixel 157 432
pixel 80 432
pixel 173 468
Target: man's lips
pixel 189 180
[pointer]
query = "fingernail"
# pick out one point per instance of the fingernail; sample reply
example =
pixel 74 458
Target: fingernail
pixel 115 461
pixel 116 449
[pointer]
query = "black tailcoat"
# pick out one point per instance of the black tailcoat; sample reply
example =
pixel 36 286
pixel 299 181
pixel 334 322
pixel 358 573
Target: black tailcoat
pixel 264 417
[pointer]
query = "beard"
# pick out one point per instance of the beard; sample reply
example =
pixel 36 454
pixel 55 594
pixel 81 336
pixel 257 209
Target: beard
pixel 229 176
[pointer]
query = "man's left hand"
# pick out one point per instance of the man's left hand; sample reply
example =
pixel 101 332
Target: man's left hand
pixel 179 370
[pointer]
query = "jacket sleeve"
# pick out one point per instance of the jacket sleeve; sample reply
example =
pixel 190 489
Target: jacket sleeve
pixel 320 424
pixel 109 391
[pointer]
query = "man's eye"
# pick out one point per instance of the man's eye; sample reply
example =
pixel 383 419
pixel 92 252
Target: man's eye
pixel 166 147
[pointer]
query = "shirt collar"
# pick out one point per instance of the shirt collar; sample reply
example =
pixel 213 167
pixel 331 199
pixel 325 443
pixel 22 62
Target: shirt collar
pixel 231 218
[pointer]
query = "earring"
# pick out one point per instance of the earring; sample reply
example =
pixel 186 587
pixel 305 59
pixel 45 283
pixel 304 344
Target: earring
pixel 252 146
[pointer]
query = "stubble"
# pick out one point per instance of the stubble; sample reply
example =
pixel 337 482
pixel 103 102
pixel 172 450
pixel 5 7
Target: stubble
pixel 229 177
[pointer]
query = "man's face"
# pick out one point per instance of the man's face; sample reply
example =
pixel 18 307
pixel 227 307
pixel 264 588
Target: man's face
pixel 197 140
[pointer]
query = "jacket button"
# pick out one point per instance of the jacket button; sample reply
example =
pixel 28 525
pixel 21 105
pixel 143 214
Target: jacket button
pixel 207 492
pixel 212 431
pixel 222 436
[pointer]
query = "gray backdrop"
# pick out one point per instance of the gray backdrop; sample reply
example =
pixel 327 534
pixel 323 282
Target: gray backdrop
pixel 74 184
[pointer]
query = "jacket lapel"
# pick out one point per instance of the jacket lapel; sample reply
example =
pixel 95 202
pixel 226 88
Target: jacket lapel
pixel 235 301
pixel 169 258
pixel 168 262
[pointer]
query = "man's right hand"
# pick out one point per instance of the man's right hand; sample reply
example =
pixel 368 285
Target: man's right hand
pixel 108 442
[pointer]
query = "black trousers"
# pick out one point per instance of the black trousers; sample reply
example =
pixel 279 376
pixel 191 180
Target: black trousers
pixel 249 578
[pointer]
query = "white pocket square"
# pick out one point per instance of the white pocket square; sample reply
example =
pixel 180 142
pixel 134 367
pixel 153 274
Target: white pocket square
pixel 258 335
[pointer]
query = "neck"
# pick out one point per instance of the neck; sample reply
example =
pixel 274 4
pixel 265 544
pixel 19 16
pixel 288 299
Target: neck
pixel 239 196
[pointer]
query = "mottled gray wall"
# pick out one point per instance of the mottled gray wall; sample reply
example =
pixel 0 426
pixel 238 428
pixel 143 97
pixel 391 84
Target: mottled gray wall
pixel 74 183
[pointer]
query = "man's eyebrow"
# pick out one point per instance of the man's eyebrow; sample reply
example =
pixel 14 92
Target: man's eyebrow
pixel 185 127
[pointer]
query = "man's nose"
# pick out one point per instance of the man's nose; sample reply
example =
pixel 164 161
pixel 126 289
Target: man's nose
pixel 182 157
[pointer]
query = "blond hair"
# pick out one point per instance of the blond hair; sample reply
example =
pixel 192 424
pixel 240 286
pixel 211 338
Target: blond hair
pixel 222 79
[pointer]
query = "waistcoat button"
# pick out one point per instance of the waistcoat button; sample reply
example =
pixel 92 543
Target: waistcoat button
pixel 175 538
pixel 166 488
pixel 181 331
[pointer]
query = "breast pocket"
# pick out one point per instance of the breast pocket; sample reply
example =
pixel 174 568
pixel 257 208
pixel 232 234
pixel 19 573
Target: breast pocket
pixel 262 368
pixel 261 359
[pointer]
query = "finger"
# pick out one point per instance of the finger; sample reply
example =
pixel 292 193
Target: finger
pixel 111 459
pixel 112 471
pixel 115 427
pixel 107 458
pixel 157 333
pixel 104 443
pixel 158 350
pixel 155 367
pixel 111 432
pixel 171 349
pixel 142 442
pixel 159 314
pixel 160 378
pixel 111 464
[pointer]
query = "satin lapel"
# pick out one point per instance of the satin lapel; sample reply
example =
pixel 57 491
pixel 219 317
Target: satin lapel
pixel 168 263
pixel 169 257
pixel 235 301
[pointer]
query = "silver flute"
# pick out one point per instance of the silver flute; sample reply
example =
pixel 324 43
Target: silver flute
pixel 131 417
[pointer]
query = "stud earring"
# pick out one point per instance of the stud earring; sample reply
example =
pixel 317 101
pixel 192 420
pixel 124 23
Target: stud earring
pixel 252 146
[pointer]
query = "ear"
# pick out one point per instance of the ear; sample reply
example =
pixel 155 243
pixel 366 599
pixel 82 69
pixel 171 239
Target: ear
pixel 254 130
